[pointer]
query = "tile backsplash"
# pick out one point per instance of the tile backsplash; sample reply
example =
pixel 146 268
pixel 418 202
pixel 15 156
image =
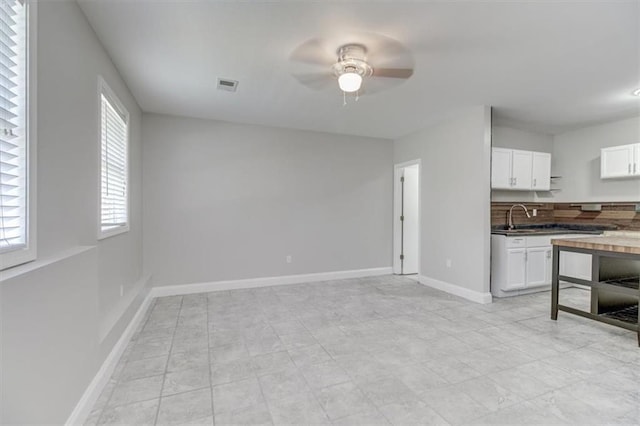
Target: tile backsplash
pixel 500 210
pixel 622 215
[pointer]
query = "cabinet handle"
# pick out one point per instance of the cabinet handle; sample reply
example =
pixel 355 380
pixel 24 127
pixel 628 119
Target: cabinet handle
pixel 629 168
pixel 635 168
pixel 535 182
pixel 515 181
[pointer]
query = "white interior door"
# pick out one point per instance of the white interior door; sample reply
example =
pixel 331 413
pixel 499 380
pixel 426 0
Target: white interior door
pixel 406 230
pixel 411 222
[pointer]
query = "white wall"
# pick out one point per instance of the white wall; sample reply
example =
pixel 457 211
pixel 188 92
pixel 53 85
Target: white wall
pixel 509 137
pixel 226 201
pixel 455 200
pixel 576 157
pixel 62 313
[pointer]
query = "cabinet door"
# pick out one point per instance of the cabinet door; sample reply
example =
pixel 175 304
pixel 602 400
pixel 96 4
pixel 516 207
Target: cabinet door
pixel 521 169
pixel 501 168
pixel 516 269
pixel 538 266
pixel 617 161
pixel 549 264
pixel 541 171
pixel 575 265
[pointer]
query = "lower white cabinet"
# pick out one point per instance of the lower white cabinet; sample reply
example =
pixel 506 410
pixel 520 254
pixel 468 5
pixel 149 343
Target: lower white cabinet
pixel 522 265
pixel 519 264
pixel 516 260
pixel 539 261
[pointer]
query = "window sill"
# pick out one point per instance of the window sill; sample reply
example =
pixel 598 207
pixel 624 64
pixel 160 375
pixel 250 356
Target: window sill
pixel 112 232
pixel 26 268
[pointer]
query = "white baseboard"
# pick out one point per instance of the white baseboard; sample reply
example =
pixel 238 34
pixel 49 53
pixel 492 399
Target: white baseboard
pixel 93 391
pixel 173 290
pixel 83 408
pixel 474 296
pixel 122 306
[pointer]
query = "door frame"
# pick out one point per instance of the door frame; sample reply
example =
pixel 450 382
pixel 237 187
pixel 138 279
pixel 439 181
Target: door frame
pixel 397 199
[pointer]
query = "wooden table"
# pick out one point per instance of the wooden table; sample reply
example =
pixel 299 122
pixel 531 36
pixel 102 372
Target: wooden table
pixel 615 279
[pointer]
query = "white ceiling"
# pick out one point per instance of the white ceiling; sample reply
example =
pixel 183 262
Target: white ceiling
pixel 546 66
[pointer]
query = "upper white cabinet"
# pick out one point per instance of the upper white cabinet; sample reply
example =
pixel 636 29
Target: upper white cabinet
pixel 520 170
pixel 620 161
pixel 541 171
pixel 501 165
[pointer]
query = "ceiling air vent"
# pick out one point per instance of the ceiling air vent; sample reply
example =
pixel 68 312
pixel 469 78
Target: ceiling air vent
pixel 228 85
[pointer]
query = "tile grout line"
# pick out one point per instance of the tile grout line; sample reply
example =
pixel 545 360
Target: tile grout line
pixel 213 412
pixel 315 392
pixel 122 357
pixel 266 402
pixel 296 305
pixel 164 376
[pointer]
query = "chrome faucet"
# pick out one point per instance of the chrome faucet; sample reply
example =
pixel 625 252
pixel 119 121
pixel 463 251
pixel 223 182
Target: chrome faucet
pixel 511 214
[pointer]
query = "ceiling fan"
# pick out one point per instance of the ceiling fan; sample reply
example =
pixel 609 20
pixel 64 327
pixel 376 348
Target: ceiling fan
pixel 372 64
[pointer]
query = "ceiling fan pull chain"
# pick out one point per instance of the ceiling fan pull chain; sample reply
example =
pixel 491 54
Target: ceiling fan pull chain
pixel 344 98
pixel 357 95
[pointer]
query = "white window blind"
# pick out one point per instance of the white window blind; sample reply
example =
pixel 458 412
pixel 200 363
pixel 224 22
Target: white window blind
pixel 114 215
pixel 13 127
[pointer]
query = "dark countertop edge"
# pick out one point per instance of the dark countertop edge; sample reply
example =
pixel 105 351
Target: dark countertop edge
pixel 552 229
pixel 549 232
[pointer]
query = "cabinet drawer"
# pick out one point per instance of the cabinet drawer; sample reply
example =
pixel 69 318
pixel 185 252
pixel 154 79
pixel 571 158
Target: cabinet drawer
pixel 539 241
pixel 514 242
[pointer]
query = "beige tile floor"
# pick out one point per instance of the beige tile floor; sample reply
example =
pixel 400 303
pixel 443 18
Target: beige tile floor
pixel 382 350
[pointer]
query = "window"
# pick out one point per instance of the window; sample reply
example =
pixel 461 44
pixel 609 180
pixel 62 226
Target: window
pixel 17 224
pixel 114 176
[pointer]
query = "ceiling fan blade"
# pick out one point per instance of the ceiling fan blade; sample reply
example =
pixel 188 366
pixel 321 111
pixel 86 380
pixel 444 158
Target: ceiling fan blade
pixel 314 52
pixel 383 50
pixel 393 72
pixel 316 81
pixel 384 47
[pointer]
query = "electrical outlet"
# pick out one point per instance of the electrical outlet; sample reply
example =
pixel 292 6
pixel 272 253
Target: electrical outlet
pixel 535 212
pixel 289 259
pixel 448 263
pixel 121 290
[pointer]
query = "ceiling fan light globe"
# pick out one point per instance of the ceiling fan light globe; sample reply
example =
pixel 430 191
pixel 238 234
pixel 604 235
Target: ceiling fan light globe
pixel 350 82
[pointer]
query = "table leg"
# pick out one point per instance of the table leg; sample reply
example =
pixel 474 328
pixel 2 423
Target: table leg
pixel 555 285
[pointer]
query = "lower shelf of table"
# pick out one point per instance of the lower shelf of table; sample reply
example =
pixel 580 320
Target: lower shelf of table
pixel 629 282
pixel 606 318
pixel 628 315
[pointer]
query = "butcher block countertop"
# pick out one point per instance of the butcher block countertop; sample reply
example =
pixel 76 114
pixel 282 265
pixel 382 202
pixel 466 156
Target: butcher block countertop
pixel 617 242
